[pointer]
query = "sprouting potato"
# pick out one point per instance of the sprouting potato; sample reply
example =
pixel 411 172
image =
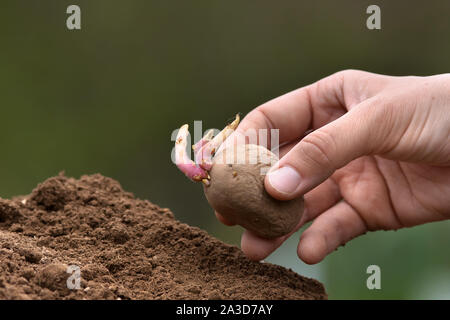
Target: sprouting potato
pixel 233 181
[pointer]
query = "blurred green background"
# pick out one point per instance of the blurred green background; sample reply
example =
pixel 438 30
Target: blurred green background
pixel 107 98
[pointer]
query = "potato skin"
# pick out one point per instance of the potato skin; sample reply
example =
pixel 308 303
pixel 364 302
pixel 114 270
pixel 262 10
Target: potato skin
pixel 237 192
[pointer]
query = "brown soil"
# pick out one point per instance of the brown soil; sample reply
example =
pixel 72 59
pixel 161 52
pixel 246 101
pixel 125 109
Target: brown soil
pixel 126 248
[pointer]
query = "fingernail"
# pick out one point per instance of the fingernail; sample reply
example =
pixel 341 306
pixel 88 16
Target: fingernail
pixel 284 180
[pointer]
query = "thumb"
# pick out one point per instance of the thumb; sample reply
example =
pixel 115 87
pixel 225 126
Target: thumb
pixel 321 152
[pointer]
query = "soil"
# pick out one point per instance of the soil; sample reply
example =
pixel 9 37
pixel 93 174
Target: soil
pixel 125 248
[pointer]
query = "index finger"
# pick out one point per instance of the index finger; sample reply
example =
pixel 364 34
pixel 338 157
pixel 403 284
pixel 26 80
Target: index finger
pixel 313 106
pixel 294 113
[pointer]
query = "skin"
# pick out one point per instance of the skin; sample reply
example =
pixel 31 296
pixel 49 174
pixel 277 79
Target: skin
pixel 378 157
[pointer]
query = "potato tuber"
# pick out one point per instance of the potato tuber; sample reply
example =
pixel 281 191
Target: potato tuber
pixel 237 191
pixel 233 181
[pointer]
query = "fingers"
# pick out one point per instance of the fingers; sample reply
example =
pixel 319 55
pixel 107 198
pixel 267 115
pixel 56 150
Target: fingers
pixel 254 247
pixel 315 105
pixel 293 113
pixel 318 200
pixel 323 151
pixel 257 248
pixel 287 146
pixel 333 228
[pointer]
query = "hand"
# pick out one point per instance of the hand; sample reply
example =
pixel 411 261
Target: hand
pixel 378 157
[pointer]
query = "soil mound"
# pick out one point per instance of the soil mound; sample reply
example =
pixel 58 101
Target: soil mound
pixel 125 248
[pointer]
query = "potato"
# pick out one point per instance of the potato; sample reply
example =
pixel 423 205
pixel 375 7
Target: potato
pixel 237 192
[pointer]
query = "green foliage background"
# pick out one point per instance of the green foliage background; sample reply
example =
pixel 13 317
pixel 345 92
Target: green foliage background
pixel 107 98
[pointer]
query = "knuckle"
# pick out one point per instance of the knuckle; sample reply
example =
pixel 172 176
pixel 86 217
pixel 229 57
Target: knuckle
pixel 380 118
pixel 317 148
pixel 349 73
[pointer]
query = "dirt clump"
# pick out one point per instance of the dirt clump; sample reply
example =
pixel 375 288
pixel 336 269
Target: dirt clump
pixel 124 248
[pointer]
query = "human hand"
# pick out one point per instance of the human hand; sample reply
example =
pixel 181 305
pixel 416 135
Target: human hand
pixel 378 157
